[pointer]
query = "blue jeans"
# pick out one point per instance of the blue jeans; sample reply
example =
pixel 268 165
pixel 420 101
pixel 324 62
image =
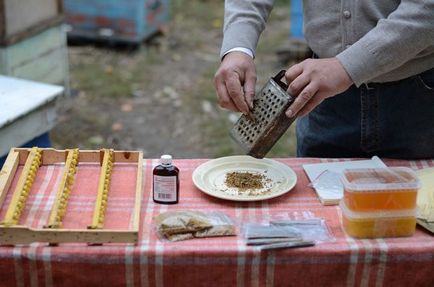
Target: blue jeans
pixel 392 120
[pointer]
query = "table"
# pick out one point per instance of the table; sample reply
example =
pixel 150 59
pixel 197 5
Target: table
pixel 221 261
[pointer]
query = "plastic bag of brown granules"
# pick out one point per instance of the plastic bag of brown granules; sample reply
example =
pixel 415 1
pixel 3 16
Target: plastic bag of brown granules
pixel 188 224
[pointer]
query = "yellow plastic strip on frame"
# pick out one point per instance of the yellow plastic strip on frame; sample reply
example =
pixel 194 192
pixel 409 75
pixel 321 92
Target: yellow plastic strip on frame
pixel 59 207
pixel 22 190
pixel 103 189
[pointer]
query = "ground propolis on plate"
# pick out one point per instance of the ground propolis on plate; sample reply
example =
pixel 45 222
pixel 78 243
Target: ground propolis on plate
pixel 248 183
pixel 244 180
pixel 276 178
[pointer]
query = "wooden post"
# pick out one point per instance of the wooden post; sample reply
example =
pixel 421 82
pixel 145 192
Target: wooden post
pixel 2 19
pixel 60 6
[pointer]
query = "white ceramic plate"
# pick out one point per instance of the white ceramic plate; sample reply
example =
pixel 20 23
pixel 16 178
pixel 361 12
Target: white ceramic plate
pixel 210 176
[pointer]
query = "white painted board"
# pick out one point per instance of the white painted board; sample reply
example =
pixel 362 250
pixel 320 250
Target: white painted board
pixel 27 110
pixel 325 177
pixel 19 97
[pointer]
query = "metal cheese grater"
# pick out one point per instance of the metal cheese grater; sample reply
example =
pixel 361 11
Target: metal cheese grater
pixel 258 133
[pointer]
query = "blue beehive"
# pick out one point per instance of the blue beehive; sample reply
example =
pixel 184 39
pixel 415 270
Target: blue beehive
pixel 118 20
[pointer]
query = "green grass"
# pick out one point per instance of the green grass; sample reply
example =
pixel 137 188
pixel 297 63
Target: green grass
pixel 107 77
pixel 216 130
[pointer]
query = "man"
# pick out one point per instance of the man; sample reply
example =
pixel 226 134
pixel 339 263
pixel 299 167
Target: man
pixel 369 89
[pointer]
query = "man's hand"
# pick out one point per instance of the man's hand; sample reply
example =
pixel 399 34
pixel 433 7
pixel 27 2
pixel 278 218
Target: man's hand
pixel 314 80
pixel 235 82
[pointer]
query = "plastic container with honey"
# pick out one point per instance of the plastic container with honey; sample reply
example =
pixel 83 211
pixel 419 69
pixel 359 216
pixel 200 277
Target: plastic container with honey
pixel 378 224
pixel 380 189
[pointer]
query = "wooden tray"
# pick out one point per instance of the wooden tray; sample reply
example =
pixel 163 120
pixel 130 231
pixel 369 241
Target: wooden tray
pixel 13 233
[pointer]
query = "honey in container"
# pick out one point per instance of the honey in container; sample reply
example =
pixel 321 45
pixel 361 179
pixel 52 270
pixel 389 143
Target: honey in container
pixel 378 224
pixel 380 189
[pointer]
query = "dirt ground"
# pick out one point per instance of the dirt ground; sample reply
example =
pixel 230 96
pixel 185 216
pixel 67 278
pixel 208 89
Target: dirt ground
pixel 160 98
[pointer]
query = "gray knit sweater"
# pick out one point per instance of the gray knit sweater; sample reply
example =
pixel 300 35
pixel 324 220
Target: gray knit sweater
pixel 376 41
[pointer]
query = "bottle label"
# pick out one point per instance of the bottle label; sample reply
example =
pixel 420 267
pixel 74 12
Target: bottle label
pixel 165 188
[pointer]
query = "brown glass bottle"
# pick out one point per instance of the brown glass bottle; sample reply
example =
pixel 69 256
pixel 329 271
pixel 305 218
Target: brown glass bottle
pixel 165 187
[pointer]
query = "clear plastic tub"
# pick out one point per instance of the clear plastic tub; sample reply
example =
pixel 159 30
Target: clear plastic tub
pixel 380 189
pixel 378 224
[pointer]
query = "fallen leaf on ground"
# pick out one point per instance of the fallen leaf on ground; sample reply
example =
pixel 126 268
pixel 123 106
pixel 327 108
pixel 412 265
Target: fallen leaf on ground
pixel 126 108
pixel 117 126
pixel 207 106
pixel 217 23
pixel 108 69
pixel 176 57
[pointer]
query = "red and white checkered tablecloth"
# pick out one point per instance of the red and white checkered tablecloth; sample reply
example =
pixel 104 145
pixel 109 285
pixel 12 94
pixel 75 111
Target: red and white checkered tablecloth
pixel 205 262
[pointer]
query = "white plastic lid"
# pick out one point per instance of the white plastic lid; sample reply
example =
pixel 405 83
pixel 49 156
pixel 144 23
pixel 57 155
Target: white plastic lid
pixel 380 179
pixel 166 159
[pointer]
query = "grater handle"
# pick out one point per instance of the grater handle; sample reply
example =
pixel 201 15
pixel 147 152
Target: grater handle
pixel 278 79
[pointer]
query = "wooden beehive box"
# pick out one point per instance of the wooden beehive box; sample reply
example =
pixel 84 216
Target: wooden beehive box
pixel 20 19
pixel 115 20
pixel 42 57
pixel 25 168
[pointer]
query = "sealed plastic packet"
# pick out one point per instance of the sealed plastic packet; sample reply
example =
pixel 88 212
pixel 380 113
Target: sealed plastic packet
pixel 258 231
pixel 188 224
pixel 328 180
pixel 221 225
pixel 313 229
pixel 286 233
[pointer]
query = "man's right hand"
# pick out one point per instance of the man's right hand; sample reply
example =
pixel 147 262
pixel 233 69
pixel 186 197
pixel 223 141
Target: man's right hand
pixel 235 82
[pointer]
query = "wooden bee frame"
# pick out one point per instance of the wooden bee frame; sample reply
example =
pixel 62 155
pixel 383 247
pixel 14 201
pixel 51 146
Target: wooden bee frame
pixel 12 233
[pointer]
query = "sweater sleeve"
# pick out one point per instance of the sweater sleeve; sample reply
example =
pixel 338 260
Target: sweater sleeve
pixel 244 23
pixel 405 33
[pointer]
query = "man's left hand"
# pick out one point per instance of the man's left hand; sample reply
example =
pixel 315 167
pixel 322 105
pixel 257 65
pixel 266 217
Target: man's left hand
pixel 314 80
